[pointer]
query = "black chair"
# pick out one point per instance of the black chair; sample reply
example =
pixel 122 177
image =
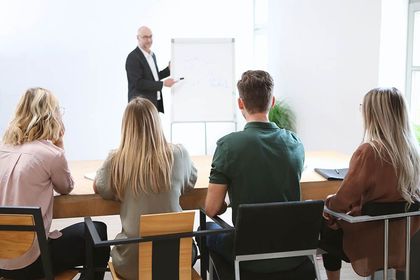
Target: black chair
pixel 272 231
pixel 19 227
pixel 164 246
pixel 389 208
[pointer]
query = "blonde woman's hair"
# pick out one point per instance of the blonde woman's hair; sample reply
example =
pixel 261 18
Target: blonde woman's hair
pixel 144 160
pixel 37 117
pixel 388 131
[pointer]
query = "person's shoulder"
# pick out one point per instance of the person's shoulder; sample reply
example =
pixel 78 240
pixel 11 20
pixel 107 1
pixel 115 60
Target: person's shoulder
pixel 364 152
pixel 289 136
pixel 42 151
pixel 134 53
pixel 44 147
pixel 5 147
pixel 109 157
pixel 231 137
pixel 365 148
pixel 180 152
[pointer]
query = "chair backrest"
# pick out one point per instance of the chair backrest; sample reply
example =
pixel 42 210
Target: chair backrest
pixel 14 244
pixel 278 227
pixel 388 208
pixel 165 258
pixel 20 227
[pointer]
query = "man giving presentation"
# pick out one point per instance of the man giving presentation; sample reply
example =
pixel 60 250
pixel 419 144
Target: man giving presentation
pixel 144 77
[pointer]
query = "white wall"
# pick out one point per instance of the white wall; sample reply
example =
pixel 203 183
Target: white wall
pixel 393 48
pixel 78 49
pixel 324 56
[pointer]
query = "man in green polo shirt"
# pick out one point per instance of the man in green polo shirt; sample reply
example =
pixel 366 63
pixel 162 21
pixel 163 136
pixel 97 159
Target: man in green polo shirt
pixel 260 164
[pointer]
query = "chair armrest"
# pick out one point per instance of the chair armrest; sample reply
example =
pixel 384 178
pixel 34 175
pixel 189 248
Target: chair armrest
pixel 385 218
pixel 91 231
pixel 225 228
pixel 93 240
pixel 219 221
pixel 97 242
pixel 366 218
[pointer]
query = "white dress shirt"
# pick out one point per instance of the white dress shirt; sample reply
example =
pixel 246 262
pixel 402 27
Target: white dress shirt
pixel 152 65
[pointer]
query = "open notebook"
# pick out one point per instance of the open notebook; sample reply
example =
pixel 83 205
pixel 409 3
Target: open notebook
pixel 332 174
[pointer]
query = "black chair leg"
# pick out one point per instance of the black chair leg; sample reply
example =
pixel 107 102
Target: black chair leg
pixel 212 271
pixel 204 259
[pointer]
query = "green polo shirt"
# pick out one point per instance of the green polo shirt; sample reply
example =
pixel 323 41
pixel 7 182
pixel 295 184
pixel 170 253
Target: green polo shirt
pixel 260 164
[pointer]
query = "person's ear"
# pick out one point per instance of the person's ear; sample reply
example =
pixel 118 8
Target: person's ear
pixel 273 101
pixel 241 103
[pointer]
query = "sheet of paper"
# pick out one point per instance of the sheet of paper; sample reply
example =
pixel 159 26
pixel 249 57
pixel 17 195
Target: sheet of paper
pixel 90 176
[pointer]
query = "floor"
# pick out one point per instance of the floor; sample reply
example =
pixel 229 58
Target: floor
pixel 114 227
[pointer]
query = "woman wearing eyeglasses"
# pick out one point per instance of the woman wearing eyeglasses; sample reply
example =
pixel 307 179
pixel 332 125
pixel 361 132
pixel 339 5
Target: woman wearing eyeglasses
pixel 385 168
pixel 32 166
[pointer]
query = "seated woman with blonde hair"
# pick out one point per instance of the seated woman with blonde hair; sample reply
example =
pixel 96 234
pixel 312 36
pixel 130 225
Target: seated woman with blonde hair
pixel 146 173
pixel 385 168
pixel 32 166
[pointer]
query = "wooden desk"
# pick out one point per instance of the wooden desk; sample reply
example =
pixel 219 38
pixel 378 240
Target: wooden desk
pixel 82 202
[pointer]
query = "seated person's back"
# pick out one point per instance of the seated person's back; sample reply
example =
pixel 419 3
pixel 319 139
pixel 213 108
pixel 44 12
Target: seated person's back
pixel 32 166
pixel 147 174
pixel 385 168
pixel 260 164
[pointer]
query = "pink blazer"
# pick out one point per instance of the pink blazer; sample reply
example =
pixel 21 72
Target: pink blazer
pixel 28 175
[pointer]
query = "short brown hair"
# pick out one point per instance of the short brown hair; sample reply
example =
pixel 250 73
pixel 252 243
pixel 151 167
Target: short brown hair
pixel 255 88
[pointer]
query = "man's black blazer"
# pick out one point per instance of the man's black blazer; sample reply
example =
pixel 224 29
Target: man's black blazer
pixel 140 78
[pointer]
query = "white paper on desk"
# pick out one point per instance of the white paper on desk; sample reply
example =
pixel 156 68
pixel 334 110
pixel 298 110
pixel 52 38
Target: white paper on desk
pixel 90 176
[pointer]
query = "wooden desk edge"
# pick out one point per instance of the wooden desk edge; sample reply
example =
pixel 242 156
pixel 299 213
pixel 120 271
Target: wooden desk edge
pixel 82 205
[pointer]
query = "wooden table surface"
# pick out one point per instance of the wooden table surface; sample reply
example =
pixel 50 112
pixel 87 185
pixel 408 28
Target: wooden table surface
pixel 82 202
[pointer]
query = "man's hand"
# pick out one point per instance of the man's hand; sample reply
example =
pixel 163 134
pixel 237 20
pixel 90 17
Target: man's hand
pixel 169 82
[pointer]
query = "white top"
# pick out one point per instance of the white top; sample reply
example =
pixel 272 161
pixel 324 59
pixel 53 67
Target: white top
pixel 152 65
pixel 28 175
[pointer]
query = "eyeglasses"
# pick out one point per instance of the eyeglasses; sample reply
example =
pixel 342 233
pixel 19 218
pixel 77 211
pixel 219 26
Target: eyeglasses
pixel 146 37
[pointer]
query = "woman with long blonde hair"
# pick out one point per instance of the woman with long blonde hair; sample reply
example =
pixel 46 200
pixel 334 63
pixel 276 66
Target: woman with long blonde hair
pixel 146 173
pixel 32 166
pixel 385 168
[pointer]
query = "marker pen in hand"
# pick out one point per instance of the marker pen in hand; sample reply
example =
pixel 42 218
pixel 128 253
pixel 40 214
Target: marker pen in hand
pixel 180 79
